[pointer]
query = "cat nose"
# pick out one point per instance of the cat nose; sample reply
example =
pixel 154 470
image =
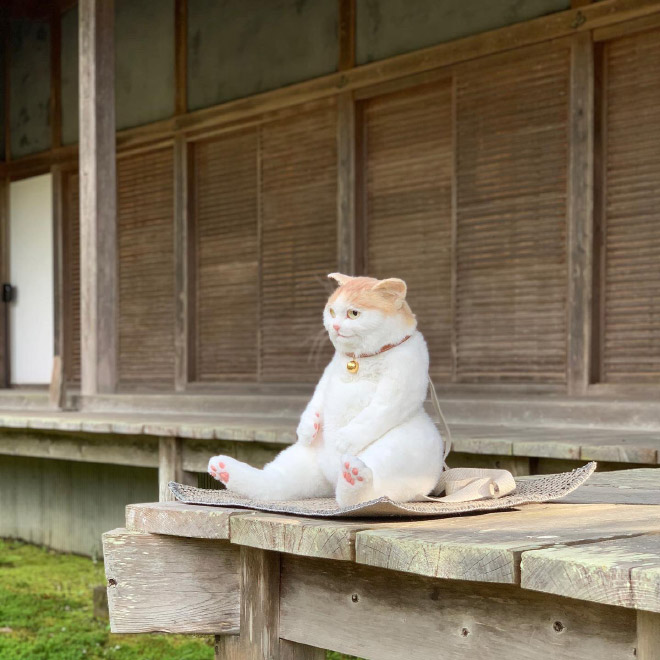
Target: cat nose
pixel 336 326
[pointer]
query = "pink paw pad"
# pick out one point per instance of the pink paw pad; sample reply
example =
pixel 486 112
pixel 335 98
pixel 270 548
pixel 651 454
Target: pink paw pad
pixel 224 477
pixel 354 470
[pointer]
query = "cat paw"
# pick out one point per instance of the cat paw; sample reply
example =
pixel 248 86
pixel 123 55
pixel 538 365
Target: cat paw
pixel 219 468
pixel 309 428
pixel 354 471
pixel 355 483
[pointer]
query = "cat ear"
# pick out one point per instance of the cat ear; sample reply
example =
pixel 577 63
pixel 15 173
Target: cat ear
pixel 393 287
pixel 341 279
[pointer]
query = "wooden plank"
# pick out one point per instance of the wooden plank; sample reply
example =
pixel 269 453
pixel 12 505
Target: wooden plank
pixel 623 572
pixel 165 584
pixel 178 519
pixel 5 350
pixel 328 539
pixel 346 35
pixel 641 486
pixel 388 615
pixel 98 198
pixel 580 211
pixel 346 227
pixel 625 28
pixel 228 647
pixel 648 636
pixel 487 548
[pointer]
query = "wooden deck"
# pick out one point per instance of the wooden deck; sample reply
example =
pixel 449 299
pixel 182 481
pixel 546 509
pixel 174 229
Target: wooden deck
pixel 577 579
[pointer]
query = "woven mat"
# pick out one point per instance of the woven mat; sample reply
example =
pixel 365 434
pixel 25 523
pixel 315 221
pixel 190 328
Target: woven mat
pixel 543 488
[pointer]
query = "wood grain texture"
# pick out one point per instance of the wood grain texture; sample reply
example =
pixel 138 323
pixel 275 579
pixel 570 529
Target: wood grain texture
pixel 298 213
pixel 346 185
pixel 146 269
pixel 408 160
pixel 640 486
pixel 624 572
pixel 631 336
pixel 225 210
pixel 164 584
pixel 389 615
pixel 260 603
pixel 648 636
pixel 511 217
pixel 98 198
pixel 580 211
pixel 328 539
pixel 177 519
pixel 488 548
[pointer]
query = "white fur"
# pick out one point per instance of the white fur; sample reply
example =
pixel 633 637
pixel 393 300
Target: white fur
pixel 372 421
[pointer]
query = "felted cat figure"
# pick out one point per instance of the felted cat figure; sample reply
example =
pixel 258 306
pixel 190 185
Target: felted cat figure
pixel 364 433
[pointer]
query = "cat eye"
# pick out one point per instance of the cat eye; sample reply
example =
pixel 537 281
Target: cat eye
pixel 332 312
pixel 352 313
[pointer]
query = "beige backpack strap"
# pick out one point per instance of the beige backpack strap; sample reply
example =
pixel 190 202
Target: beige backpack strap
pixel 467 484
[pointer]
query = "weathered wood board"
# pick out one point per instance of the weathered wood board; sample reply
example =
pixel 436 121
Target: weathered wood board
pixel 641 486
pixel 373 613
pixel 177 519
pixel 622 572
pixel 171 584
pixel 487 547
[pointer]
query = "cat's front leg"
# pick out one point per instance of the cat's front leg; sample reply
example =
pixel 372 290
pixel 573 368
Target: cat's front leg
pixel 309 428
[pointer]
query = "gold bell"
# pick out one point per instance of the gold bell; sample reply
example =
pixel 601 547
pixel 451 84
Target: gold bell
pixel 352 366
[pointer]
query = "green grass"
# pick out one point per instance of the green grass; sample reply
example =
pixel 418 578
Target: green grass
pixel 46 613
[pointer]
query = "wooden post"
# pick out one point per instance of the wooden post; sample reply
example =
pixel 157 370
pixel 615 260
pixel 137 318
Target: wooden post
pixel 170 467
pixel 98 198
pixel 57 393
pixel 4 277
pixel 181 56
pixel 648 635
pixel 260 611
pixel 346 225
pixel 182 261
pixel 580 212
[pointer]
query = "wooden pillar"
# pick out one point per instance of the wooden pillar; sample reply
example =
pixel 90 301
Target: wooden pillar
pixel 98 198
pixel 580 211
pixel 57 394
pixel 346 224
pixel 260 611
pixel 648 635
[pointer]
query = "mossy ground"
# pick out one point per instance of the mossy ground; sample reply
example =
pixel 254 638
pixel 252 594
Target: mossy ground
pixel 46 613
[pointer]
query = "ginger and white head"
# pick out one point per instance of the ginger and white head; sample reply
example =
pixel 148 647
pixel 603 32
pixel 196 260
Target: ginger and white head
pixel 364 314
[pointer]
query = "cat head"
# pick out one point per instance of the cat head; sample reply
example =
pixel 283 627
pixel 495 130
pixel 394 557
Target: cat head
pixel 364 314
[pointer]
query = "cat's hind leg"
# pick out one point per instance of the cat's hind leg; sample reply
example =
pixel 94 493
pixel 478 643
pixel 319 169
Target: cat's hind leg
pixel 356 482
pixel 293 474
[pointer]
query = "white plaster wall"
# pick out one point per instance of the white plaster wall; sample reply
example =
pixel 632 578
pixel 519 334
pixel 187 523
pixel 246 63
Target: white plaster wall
pixel 31 272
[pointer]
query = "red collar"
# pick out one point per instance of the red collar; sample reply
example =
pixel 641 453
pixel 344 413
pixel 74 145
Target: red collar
pixel 387 347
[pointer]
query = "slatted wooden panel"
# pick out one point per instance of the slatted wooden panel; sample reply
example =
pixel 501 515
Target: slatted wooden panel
pixel 72 278
pixel 631 337
pixel 146 269
pixel 408 160
pixel 225 209
pixel 298 242
pixel 511 216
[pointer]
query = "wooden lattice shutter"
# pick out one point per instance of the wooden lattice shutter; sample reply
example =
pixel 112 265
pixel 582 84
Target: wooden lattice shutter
pixel 631 279
pixel 71 303
pixel 298 241
pixel 408 161
pixel 511 217
pixel 225 210
pixel 146 268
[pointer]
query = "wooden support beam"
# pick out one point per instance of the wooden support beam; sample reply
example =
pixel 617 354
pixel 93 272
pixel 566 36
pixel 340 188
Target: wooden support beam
pixel 580 212
pixel 181 56
pixel 346 225
pixel 648 635
pixel 170 467
pixel 182 266
pixel 4 277
pixel 260 611
pixel 59 376
pixel 5 40
pixel 98 198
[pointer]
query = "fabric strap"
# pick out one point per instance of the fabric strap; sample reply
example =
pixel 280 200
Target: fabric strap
pixel 466 484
